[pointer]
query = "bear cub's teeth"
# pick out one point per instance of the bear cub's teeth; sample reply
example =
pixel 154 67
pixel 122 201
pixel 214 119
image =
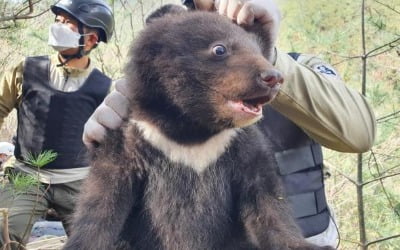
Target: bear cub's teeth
pixel 256 103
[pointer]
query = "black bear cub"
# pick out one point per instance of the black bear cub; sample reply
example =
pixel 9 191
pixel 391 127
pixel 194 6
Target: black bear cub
pixel 187 170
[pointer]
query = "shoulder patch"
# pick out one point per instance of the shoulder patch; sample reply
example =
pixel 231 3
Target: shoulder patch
pixel 324 69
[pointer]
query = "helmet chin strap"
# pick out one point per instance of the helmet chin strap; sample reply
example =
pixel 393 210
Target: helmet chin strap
pixel 80 52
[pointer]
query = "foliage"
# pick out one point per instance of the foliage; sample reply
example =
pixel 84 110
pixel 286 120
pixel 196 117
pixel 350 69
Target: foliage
pixel 41 159
pixel 22 182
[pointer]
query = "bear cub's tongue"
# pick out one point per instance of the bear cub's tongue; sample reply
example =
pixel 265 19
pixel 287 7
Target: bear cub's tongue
pixel 252 107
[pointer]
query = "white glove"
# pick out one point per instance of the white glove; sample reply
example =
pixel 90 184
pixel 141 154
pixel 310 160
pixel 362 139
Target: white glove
pixel 246 12
pixel 109 114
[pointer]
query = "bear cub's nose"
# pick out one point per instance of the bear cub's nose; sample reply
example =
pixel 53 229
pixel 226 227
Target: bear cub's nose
pixel 271 77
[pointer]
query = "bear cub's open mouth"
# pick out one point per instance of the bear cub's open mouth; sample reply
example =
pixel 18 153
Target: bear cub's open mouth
pixel 253 105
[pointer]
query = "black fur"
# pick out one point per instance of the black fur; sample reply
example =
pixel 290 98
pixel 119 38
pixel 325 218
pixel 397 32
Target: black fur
pixel 137 198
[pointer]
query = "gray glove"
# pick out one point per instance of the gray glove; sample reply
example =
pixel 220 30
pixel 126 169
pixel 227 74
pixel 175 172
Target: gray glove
pixel 109 114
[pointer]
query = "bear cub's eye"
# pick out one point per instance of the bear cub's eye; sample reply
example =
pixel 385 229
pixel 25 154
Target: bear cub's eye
pixel 219 50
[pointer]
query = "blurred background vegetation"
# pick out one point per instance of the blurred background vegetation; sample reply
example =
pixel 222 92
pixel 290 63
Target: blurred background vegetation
pixel 330 29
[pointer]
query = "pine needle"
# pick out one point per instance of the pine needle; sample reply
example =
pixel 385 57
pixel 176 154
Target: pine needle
pixel 41 159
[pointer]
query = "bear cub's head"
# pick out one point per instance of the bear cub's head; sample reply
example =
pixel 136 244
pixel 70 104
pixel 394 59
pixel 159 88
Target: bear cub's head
pixel 194 74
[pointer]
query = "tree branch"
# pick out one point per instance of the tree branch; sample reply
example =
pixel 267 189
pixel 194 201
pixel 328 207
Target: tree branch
pixel 379 178
pixel 388 117
pixel 383 239
pixel 18 16
pixel 387 6
pixel 390 44
pixel 6 235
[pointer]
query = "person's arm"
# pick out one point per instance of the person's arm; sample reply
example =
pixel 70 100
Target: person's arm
pixel 10 91
pixel 315 98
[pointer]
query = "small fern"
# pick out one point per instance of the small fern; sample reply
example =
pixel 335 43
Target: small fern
pixel 41 159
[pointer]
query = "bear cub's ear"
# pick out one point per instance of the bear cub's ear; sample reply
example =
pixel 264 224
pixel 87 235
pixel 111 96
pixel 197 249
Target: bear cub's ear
pixel 165 10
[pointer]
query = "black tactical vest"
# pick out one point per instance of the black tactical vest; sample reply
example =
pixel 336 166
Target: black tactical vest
pixel 49 119
pixel 300 162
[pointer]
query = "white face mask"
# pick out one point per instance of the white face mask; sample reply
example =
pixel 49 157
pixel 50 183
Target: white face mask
pixel 61 37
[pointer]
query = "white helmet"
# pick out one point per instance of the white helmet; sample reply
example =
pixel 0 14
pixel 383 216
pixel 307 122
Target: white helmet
pixel 6 148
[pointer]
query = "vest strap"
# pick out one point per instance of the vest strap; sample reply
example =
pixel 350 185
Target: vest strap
pixel 297 159
pixel 41 64
pixel 307 204
pixel 294 55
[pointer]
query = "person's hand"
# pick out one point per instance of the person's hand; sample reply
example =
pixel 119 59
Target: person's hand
pixel 109 114
pixel 247 12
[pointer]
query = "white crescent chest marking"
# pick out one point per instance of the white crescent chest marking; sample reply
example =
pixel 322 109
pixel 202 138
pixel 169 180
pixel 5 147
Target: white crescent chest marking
pixel 198 157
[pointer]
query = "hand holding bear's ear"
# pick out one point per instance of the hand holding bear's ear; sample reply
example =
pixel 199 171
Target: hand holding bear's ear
pixel 109 114
pixel 246 12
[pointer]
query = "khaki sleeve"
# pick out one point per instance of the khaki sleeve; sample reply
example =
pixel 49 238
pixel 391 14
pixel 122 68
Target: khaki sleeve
pixel 10 91
pixel 315 98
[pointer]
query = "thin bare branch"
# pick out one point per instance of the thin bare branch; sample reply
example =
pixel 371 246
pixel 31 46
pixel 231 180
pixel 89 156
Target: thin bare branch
pixel 388 6
pixel 18 16
pixel 380 178
pixel 30 7
pixel 390 44
pixel 6 235
pixel 342 56
pixel 383 239
pixel 382 52
pixel 143 18
pixel 388 117
pixel 388 170
pixel 127 6
pixel 347 177
pixel 360 201
pixel 347 59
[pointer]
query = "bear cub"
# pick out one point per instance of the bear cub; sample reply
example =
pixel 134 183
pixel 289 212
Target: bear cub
pixel 188 170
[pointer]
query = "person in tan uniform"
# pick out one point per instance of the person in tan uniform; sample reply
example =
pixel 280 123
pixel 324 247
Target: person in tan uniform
pixel 54 97
pixel 314 107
